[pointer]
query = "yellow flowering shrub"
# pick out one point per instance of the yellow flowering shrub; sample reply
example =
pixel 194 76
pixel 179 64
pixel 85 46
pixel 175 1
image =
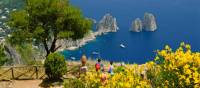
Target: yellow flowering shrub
pixel 180 68
pixel 129 78
pixel 170 69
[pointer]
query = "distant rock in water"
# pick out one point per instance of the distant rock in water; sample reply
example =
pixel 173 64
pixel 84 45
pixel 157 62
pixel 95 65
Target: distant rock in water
pixel 107 24
pixel 149 22
pixel 137 25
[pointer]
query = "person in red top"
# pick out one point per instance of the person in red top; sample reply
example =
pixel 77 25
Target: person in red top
pixel 98 65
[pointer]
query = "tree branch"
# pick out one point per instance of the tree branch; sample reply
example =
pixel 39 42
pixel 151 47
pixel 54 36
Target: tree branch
pixel 46 48
pixel 57 47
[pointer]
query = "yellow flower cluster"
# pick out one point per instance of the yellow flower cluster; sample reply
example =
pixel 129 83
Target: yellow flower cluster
pixel 131 77
pixel 180 68
pixel 182 63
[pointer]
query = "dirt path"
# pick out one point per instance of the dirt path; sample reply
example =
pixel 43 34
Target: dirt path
pixel 27 84
pixel 22 84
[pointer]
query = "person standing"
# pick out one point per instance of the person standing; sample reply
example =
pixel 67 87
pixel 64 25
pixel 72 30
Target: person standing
pixel 110 69
pixel 83 67
pixel 98 65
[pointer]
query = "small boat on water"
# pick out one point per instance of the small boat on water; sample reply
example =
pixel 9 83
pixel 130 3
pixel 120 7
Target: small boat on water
pixel 95 53
pixel 122 46
pixel 73 58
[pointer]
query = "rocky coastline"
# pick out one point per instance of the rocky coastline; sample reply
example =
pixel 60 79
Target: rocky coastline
pixel 107 24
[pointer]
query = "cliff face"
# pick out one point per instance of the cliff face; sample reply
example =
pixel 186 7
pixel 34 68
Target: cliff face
pixel 149 22
pixel 137 25
pixel 70 44
pixel 107 24
pixel 13 54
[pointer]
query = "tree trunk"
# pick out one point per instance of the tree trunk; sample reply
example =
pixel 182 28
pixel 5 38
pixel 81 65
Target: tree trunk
pixel 53 47
pixel 46 48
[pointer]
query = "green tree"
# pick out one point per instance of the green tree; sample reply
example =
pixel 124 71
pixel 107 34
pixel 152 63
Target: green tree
pixel 27 53
pixel 3 57
pixel 55 66
pixel 46 21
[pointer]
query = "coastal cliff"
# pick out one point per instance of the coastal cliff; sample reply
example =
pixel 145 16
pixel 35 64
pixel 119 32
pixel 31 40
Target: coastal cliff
pixel 148 23
pixel 70 44
pixel 12 53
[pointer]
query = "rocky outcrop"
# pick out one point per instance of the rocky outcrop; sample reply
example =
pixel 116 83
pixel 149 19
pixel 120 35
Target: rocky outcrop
pixel 70 44
pixel 149 22
pixel 107 24
pixel 137 25
pixel 12 54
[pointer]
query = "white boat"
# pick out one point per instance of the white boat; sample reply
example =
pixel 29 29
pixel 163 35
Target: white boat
pixel 122 46
pixel 73 58
pixel 95 53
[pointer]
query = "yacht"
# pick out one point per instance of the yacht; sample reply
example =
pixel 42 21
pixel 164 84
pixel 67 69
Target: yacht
pixel 95 53
pixel 122 46
pixel 73 58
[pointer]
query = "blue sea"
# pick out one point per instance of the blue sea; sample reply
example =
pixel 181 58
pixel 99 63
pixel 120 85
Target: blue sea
pixel 177 21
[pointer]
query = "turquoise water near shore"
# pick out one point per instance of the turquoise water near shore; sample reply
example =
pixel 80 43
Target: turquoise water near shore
pixel 177 20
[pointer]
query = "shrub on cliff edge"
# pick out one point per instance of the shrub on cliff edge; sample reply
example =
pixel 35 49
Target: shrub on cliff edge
pixel 3 57
pixel 55 66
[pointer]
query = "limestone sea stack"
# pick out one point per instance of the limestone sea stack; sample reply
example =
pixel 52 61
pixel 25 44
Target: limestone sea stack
pixel 137 25
pixel 107 24
pixel 149 22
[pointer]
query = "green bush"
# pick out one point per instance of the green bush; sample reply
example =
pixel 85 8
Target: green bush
pixel 3 57
pixel 27 53
pixel 55 66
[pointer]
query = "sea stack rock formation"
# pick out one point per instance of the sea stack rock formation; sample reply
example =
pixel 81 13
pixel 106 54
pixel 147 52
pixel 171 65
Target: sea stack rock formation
pixel 107 24
pixel 137 25
pixel 149 22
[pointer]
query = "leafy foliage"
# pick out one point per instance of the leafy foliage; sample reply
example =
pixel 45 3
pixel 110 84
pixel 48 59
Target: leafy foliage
pixel 27 53
pixel 3 57
pixel 46 21
pixel 74 83
pixel 55 66
pixel 179 68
